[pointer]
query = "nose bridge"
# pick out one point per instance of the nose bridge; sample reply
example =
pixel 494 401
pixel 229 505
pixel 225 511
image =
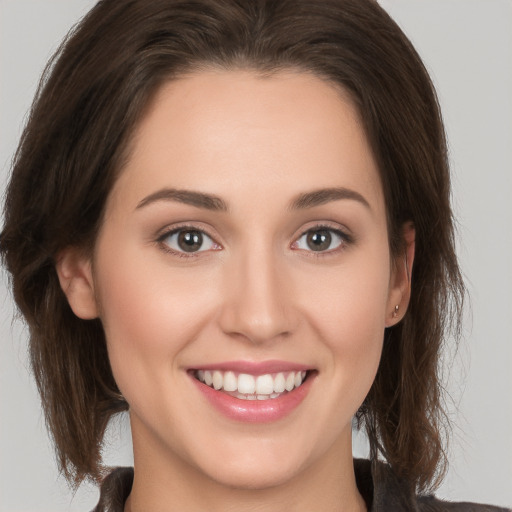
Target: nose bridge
pixel 256 304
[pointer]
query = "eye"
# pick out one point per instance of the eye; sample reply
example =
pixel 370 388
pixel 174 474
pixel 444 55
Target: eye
pixel 187 240
pixel 320 239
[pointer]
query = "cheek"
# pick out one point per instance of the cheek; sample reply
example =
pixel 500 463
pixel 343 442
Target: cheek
pixel 350 319
pixel 355 340
pixel 149 314
pixel 350 301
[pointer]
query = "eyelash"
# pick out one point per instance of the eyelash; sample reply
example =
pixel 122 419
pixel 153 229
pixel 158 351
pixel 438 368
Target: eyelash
pixel 183 228
pixel 345 240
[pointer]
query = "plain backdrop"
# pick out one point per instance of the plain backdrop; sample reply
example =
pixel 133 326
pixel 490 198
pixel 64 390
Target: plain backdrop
pixel 467 47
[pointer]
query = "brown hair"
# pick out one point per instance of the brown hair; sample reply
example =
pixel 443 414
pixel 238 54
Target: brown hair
pixel 90 98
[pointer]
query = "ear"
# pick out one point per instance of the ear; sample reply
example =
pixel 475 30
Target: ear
pixel 75 276
pixel 400 284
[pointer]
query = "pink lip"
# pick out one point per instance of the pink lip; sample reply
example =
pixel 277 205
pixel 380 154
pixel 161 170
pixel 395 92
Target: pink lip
pixel 255 411
pixel 254 367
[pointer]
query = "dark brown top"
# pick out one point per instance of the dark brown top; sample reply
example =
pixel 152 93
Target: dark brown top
pixel 381 489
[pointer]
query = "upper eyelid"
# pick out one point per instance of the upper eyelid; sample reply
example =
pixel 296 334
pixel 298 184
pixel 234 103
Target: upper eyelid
pixel 337 228
pixel 165 233
pixel 169 230
pixel 346 238
pixel 325 228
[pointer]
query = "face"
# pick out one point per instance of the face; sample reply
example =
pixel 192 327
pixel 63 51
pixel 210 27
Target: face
pixel 243 277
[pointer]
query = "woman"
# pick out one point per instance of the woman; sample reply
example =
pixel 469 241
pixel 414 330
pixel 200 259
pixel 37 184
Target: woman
pixel 249 248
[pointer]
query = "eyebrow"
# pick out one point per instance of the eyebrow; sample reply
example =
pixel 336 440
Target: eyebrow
pixel 326 195
pixel 197 199
pixel 214 203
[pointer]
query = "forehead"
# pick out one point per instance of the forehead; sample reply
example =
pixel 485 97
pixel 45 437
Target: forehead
pixel 226 131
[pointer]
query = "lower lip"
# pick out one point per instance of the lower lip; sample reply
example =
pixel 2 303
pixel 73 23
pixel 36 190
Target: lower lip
pixel 255 411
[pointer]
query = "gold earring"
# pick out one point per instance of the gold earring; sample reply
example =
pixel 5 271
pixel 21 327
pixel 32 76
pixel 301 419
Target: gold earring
pixel 395 312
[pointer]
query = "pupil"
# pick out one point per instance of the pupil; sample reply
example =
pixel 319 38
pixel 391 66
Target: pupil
pixel 319 240
pixel 190 241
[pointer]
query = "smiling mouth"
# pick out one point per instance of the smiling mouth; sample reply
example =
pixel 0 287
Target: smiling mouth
pixel 245 386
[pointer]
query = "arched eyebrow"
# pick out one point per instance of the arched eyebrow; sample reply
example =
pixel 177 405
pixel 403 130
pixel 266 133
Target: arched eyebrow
pixel 197 199
pixel 214 203
pixel 326 195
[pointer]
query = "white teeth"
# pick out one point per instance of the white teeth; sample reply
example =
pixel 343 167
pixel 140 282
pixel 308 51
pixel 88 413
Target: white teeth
pixel 230 382
pixel 290 382
pixel 246 383
pixel 279 383
pixel 251 387
pixel 218 381
pixel 264 384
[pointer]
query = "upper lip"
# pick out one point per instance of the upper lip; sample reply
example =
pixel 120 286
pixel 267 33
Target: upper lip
pixel 254 367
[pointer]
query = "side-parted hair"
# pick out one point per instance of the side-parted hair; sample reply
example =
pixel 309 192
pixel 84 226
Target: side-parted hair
pixel 91 97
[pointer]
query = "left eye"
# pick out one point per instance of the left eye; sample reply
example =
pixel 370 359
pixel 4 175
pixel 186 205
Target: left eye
pixel 319 240
pixel 189 240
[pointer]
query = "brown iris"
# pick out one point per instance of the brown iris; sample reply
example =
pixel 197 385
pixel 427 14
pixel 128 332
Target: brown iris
pixel 319 240
pixel 190 241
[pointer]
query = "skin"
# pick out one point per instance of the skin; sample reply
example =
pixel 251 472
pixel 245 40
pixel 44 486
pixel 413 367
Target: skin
pixel 256 292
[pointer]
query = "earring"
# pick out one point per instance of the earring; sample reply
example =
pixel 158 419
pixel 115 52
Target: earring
pixel 395 312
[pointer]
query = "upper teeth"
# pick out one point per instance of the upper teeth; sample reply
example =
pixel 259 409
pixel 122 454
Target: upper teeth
pixel 245 383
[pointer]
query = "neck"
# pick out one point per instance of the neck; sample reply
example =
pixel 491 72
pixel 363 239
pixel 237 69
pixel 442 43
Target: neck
pixel 164 482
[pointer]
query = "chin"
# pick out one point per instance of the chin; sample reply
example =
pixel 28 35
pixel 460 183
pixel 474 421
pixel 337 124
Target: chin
pixel 254 476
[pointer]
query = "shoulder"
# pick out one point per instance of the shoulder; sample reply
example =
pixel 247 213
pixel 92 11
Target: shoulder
pixel 384 491
pixel 432 504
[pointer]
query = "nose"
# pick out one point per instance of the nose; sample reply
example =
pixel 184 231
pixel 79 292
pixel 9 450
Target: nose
pixel 258 298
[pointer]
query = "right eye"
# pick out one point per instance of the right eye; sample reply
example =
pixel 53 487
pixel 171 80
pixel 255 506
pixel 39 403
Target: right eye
pixel 188 240
pixel 322 240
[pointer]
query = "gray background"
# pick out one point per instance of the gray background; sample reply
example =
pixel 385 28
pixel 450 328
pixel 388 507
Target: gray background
pixel 467 46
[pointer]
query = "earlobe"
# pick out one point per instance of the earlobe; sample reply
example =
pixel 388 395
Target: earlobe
pixel 400 287
pixel 75 276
